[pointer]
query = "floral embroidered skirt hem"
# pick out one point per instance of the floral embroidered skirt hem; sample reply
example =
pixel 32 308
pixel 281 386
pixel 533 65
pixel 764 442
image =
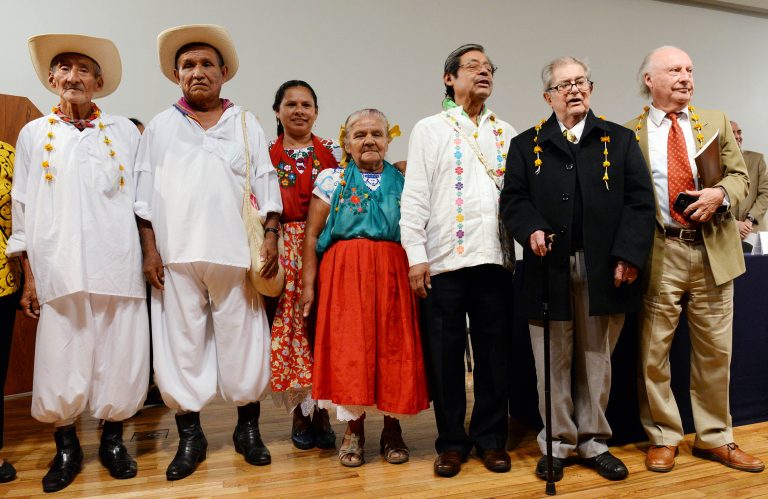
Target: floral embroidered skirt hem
pixel 291 359
pixel 367 344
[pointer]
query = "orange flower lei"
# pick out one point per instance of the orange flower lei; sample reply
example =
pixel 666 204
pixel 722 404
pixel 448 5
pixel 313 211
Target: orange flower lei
pixel 605 139
pixel 694 118
pixel 46 164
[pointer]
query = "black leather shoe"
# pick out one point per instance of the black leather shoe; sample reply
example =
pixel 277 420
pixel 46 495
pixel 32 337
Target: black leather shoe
pixel 496 460
pixel 325 437
pixel 557 468
pixel 7 472
pixel 192 447
pixel 247 437
pixel 448 463
pixel 303 439
pixel 608 466
pixel 66 463
pixel 113 454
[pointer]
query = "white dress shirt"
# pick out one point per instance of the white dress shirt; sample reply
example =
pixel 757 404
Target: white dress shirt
pixel 432 230
pixel 78 228
pixel 190 185
pixel 658 132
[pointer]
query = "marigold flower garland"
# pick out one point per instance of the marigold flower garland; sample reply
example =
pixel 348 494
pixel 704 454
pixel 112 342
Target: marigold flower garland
pixel 537 150
pixel 46 164
pixel 694 118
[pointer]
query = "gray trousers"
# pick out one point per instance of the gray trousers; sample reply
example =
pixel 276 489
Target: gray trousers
pixel 580 367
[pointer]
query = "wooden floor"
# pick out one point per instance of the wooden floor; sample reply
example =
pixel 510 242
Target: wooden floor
pixel 300 474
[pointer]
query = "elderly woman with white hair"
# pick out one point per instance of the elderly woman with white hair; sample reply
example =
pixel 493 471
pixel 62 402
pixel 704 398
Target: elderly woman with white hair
pixel 368 355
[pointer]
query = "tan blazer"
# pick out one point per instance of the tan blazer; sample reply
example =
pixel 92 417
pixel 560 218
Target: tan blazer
pixel 721 240
pixel 756 202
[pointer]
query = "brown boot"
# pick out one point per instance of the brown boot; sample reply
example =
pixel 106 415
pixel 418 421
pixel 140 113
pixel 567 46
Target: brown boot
pixel 731 456
pixel 661 458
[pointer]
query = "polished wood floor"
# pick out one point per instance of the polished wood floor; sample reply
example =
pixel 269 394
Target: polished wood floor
pixel 315 473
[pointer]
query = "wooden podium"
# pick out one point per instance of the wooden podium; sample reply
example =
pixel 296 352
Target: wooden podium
pixel 15 112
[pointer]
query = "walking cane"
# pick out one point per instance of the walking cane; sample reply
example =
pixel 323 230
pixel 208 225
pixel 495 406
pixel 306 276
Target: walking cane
pixel 550 488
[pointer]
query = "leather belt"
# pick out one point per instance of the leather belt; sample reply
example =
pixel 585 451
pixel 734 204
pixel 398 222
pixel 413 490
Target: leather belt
pixel 687 235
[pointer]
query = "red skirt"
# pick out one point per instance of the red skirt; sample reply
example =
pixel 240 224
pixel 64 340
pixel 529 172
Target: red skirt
pixel 367 340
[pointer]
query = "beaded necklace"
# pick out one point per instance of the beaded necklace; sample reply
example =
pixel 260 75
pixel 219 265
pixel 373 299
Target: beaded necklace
pixel 46 164
pixel 605 139
pixel 497 175
pixel 694 118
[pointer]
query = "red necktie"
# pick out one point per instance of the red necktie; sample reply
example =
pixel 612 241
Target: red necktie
pixel 679 176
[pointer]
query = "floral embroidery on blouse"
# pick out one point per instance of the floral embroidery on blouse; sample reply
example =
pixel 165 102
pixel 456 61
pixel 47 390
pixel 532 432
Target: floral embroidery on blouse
pixel 287 175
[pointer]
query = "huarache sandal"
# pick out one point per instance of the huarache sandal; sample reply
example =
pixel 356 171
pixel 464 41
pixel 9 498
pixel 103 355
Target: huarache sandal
pixel 393 447
pixel 351 450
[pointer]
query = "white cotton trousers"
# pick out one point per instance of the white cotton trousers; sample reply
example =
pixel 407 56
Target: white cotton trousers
pixel 90 349
pixel 209 330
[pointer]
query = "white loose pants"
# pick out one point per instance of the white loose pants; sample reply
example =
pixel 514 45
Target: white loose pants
pixel 90 349
pixel 209 330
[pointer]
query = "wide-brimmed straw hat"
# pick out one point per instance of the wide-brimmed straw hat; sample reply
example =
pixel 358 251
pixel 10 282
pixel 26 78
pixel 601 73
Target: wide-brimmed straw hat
pixel 171 40
pixel 43 48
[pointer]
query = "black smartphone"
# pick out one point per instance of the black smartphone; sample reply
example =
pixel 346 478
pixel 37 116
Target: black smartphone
pixel 683 201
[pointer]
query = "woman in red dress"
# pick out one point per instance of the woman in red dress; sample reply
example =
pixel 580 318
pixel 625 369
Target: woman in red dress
pixel 298 156
pixel 368 356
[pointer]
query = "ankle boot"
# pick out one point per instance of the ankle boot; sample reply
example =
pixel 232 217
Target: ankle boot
pixel 67 461
pixel 192 447
pixel 113 454
pixel 247 437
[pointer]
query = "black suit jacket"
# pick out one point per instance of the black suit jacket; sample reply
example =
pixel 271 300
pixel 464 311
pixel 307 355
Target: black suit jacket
pixel 617 222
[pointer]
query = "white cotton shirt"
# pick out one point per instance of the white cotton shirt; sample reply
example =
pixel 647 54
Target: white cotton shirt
pixel 190 185
pixel 78 229
pixel 658 136
pixel 432 230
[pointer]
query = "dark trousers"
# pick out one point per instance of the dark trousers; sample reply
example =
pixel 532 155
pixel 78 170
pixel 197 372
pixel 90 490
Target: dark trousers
pixel 484 293
pixel 8 306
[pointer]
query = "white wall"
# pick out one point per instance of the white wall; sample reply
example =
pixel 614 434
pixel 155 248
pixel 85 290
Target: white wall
pixel 389 54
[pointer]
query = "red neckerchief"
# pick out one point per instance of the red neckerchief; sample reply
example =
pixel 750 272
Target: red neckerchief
pixel 184 108
pixel 80 124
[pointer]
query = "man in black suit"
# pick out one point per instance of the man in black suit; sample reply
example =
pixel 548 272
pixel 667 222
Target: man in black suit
pixel 577 189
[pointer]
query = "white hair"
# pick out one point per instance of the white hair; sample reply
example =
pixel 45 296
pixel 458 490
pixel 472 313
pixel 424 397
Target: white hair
pixel 646 67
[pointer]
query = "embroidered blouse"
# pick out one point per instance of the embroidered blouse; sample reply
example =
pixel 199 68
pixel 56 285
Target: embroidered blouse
pixel 359 211
pixel 9 267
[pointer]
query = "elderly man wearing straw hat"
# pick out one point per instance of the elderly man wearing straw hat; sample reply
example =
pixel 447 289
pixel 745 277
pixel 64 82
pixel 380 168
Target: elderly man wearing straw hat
pixel 209 325
pixel 73 224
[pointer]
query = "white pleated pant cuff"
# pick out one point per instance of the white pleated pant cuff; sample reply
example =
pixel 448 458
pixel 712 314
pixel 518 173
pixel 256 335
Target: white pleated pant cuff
pixel 91 350
pixel 210 335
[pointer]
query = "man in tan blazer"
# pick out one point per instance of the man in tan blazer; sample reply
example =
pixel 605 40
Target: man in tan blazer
pixel 696 255
pixel 750 211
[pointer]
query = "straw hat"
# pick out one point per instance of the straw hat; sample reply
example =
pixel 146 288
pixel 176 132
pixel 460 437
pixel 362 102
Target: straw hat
pixel 171 40
pixel 43 48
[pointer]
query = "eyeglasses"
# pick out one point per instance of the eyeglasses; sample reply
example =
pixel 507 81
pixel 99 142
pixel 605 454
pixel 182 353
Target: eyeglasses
pixel 477 66
pixel 582 85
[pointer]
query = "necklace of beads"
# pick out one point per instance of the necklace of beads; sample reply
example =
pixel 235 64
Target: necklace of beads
pixel 537 150
pixel 497 175
pixel 694 118
pixel 46 164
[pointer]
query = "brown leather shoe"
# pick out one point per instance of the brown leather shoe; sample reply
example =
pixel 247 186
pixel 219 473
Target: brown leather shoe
pixel 661 458
pixel 448 463
pixel 497 460
pixel 730 455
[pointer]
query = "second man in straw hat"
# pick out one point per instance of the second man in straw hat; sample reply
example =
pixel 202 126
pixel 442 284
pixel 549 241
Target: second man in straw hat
pixel 209 326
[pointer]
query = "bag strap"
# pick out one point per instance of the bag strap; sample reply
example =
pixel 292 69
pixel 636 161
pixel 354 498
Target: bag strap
pixel 247 192
pixel 476 148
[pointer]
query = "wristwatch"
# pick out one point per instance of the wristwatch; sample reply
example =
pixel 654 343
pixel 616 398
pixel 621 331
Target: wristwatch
pixel 272 229
pixel 751 218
